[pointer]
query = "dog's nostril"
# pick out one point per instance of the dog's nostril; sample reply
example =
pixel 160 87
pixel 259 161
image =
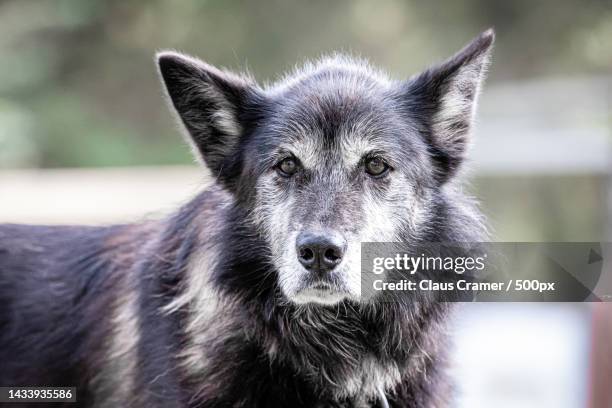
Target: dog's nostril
pixel 332 255
pixel 307 254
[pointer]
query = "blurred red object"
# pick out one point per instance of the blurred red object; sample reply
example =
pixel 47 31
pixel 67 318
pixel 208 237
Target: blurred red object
pixel 601 357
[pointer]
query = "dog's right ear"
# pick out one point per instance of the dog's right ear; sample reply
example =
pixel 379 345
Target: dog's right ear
pixel 444 99
pixel 211 104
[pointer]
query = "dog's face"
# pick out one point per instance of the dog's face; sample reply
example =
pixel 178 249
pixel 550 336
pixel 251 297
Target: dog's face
pixel 337 163
pixel 331 157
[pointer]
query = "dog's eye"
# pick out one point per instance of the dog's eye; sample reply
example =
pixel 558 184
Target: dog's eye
pixel 287 167
pixel 375 166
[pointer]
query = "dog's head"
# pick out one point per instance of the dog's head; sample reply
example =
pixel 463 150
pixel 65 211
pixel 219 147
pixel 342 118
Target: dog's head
pixel 331 156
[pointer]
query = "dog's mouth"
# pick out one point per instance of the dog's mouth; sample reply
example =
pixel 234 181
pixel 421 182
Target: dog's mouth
pixel 320 292
pixel 321 286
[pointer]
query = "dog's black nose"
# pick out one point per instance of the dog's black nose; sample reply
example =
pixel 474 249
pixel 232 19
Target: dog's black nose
pixel 320 252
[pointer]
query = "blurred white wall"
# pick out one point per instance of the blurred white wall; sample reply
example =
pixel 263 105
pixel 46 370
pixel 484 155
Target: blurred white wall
pixel 522 355
pixel 96 196
pixel 545 126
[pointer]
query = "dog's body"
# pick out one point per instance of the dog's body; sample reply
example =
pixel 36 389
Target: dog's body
pixel 217 306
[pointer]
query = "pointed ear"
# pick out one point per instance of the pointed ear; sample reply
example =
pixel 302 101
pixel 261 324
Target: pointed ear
pixel 443 100
pixel 211 104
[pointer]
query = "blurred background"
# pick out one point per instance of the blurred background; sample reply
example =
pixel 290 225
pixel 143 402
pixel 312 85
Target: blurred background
pixel 85 136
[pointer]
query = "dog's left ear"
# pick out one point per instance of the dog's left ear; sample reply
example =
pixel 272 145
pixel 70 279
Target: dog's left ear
pixel 443 100
pixel 212 105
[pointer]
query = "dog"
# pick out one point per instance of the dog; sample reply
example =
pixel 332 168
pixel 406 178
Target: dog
pixel 249 294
